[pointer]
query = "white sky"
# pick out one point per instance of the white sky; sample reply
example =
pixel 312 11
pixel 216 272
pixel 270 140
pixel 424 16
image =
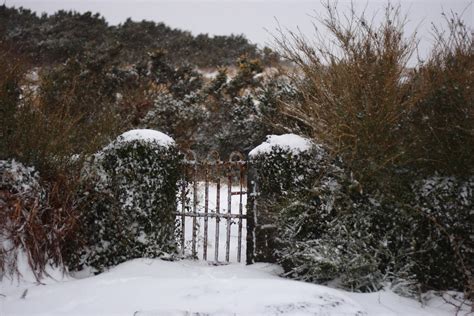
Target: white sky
pixel 250 17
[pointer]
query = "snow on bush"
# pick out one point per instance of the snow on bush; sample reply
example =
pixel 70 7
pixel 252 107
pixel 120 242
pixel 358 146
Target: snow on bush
pixel 18 177
pixel 447 203
pixel 282 167
pixel 368 243
pixel 290 142
pixel 132 204
pixel 314 220
pixel 356 244
pixel 145 135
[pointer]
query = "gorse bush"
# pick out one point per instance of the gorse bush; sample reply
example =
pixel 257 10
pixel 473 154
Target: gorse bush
pixel 354 96
pixel 314 219
pixel 64 112
pixel 11 79
pixel 180 117
pixel 353 242
pixel 361 98
pixel 130 211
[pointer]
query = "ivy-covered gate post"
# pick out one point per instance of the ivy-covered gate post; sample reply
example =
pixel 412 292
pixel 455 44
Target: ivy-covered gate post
pixel 277 168
pixel 132 200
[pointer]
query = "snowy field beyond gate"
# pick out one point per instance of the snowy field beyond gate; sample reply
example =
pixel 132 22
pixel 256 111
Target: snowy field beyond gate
pixel 223 198
pixel 155 287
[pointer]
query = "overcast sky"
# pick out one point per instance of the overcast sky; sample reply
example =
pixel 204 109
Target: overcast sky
pixel 250 17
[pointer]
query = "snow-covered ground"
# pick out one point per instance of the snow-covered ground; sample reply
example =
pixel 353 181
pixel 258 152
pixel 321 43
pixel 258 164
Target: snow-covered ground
pixel 186 287
pixel 156 287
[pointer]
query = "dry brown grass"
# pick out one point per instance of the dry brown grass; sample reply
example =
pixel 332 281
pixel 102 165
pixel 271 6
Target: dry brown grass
pixel 38 224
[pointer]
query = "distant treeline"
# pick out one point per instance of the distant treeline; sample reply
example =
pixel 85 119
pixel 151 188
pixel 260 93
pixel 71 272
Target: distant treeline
pixel 54 38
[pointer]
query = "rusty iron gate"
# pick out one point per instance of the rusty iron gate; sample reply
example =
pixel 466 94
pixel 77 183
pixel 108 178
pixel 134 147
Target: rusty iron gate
pixel 230 174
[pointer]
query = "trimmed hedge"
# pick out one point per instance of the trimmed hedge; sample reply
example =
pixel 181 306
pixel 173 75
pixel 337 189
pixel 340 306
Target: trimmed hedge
pixel 280 173
pixel 130 209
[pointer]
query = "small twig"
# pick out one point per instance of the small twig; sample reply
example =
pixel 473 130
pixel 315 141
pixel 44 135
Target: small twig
pixel 457 307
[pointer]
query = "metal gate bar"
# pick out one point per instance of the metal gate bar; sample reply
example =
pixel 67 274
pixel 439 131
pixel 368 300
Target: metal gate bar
pixel 194 210
pixel 218 205
pixel 183 216
pixel 212 169
pixel 239 249
pixel 206 209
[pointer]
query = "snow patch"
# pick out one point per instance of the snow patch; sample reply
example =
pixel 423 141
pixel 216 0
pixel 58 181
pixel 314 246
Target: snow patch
pixel 292 142
pixel 147 135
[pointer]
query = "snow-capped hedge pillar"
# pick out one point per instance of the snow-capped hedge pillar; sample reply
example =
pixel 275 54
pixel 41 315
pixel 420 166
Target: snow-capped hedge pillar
pixel 278 168
pixel 133 202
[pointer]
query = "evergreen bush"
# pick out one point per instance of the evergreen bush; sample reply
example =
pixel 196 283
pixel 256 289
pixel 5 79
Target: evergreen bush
pixel 446 205
pixel 130 211
pixel 282 167
pixel 314 219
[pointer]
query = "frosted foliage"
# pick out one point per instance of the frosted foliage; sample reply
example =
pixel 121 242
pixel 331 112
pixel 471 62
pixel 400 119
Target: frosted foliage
pixel 327 230
pixel 448 205
pixel 20 179
pixel 179 117
pixel 438 189
pixel 334 233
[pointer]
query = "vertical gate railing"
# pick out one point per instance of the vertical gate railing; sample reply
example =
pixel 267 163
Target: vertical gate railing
pixel 212 170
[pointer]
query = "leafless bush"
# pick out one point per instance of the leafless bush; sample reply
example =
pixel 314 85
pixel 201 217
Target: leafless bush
pixel 354 94
pixel 360 96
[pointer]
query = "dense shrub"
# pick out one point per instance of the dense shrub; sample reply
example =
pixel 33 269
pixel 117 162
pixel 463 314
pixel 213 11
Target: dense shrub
pixel 446 204
pixel 314 219
pixel 234 106
pixel 38 219
pixel 394 126
pixel 12 72
pixel 353 242
pixel 130 211
pixel 324 228
pixel 178 117
pixel 53 115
